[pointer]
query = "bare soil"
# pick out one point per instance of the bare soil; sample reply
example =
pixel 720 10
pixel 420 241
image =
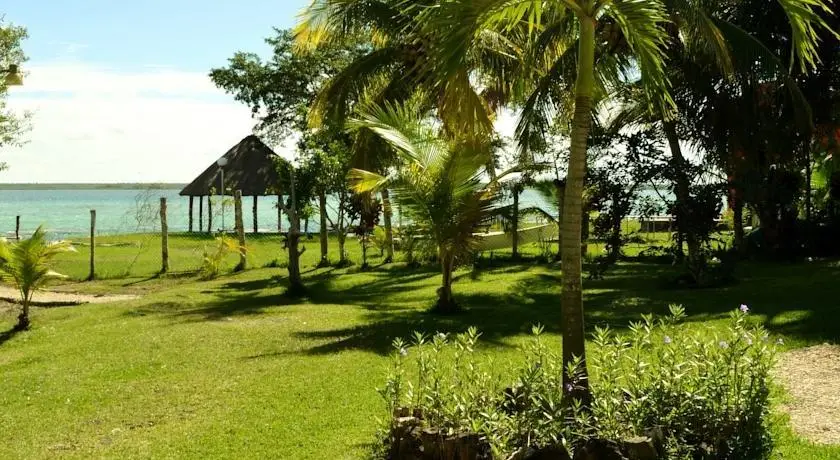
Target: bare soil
pixel 812 378
pixel 53 298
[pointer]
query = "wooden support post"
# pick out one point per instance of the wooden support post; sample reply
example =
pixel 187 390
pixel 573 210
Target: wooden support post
pixel 256 228
pixel 200 213
pixel 209 214
pixel 17 228
pixel 191 214
pixel 92 274
pixel 279 213
pixel 164 238
pixel 240 228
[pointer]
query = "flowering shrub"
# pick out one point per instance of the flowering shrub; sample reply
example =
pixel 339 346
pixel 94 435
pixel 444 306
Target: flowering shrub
pixel 705 395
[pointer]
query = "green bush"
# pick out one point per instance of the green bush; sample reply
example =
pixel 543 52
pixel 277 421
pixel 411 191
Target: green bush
pixel 703 395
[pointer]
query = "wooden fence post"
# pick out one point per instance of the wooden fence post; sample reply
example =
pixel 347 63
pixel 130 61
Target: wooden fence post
pixel 240 228
pixel 209 214
pixel 256 228
pixel 164 238
pixel 279 213
pixel 92 274
pixel 17 228
pixel 191 213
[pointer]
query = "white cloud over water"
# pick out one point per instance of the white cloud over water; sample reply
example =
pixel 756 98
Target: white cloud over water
pixel 95 124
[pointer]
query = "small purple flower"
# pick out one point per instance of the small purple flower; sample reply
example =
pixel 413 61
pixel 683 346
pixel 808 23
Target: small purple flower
pixel 667 340
pixel 569 388
pixel 744 308
pixel 723 344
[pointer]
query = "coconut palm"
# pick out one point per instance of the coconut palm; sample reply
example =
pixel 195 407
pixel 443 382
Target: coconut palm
pixel 598 43
pixel 26 265
pixel 438 184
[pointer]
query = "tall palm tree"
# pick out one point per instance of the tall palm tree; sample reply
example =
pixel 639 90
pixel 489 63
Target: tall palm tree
pixel 594 43
pixel 26 265
pixel 438 184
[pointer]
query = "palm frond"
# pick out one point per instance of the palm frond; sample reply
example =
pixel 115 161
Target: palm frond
pixel 642 24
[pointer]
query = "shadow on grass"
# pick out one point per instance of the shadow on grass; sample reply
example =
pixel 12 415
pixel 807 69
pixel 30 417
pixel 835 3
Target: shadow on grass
pixel 7 335
pixel 799 301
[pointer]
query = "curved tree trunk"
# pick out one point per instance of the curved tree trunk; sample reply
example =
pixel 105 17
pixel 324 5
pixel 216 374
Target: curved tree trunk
pixel 322 205
pixel 683 193
pixel 572 297
pixel 389 231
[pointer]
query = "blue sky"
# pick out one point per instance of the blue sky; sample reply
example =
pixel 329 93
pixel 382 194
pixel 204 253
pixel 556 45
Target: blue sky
pixel 118 88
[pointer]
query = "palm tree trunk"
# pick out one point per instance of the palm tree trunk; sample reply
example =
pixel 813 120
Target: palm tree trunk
pixel 572 296
pixel 23 318
pixel 389 231
pixel 561 193
pixel 322 205
pixel 683 193
pixel 514 222
pixel 446 303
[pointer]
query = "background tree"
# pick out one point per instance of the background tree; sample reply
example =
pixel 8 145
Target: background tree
pixel 12 125
pixel 280 92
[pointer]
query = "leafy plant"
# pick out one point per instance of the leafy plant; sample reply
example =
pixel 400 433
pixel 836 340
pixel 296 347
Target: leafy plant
pixel 211 265
pixel 438 185
pixel 696 394
pixel 26 265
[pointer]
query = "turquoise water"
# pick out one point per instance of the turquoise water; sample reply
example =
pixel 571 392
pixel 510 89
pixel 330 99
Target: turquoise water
pixel 67 212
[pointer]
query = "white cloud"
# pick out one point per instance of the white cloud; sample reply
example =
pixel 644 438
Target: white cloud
pixel 95 124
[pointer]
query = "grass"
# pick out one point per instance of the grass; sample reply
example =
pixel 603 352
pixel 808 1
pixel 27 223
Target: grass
pixel 233 368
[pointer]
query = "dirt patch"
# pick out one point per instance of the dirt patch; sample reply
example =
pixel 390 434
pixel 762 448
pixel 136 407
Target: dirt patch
pixel 52 298
pixel 812 378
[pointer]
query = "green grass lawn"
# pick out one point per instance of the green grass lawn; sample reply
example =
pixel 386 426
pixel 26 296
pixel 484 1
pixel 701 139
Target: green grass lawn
pixel 232 368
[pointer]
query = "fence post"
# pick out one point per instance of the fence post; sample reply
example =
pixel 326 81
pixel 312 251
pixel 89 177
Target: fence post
pixel 279 213
pixel 191 214
pixel 17 228
pixel 92 274
pixel 209 214
pixel 164 238
pixel 256 227
pixel 240 228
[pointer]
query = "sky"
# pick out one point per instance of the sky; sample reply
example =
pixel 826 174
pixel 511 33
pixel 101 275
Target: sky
pixel 119 89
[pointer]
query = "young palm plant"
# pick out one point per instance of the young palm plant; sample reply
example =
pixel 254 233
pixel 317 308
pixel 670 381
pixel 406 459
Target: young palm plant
pixel 26 265
pixel 439 185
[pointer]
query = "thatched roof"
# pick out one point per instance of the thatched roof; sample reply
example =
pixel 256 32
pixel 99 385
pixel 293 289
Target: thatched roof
pixel 251 167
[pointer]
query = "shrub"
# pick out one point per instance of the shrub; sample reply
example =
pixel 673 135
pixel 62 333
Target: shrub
pixel 697 395
pixel 212 261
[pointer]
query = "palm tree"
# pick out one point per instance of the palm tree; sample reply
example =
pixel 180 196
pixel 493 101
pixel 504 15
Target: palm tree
pixel 438 184
pixel 630 39
pixel 707 42
pixel 26 265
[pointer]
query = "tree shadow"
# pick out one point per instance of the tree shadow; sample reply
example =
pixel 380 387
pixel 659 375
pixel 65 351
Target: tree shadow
pixel 798 301
pixel 9 334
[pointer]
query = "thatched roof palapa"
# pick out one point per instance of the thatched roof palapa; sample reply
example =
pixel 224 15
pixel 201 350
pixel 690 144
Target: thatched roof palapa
pixel 251 168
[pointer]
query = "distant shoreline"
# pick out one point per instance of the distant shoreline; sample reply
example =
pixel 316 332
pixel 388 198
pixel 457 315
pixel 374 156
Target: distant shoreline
pixel 91 186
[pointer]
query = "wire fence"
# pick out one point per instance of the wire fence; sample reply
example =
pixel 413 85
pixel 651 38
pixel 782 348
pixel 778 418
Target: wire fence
pixel 133 246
